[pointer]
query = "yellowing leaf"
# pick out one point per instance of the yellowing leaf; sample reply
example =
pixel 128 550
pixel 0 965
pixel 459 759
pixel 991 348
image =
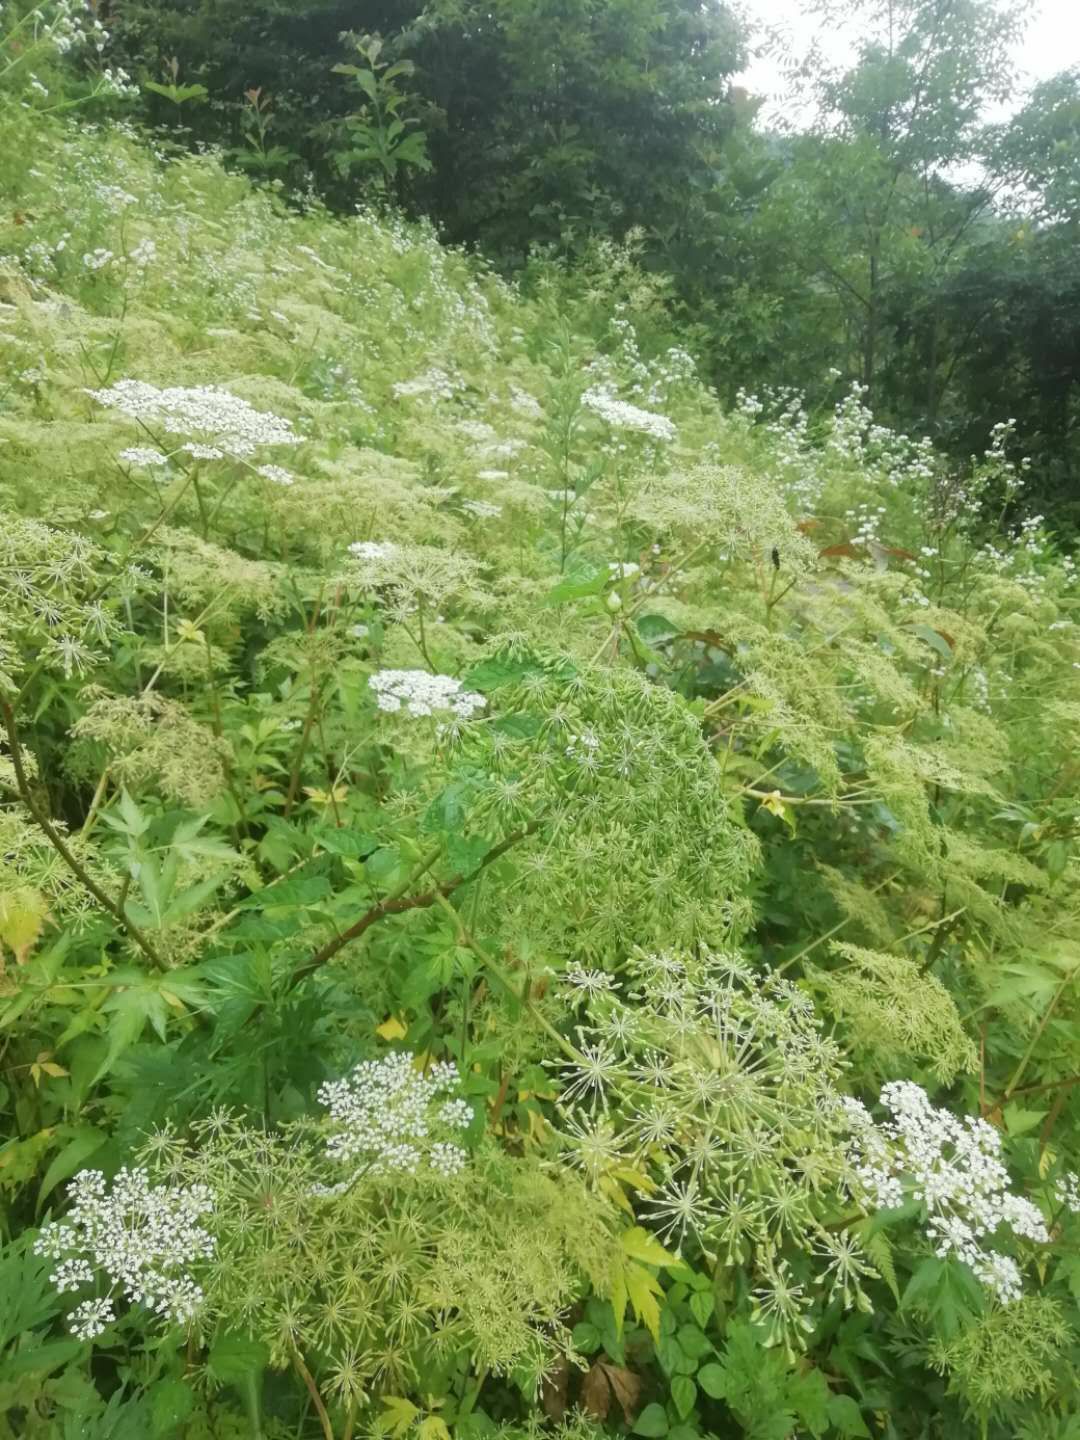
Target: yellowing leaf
pixel 614 1191
pixel 326 797
pixel 23 912
pixel 392 1029
pixel 434 1428
pixel 632 1282
pixel 643 1288
pixel 397 1416
pixel 636 1179
pixel 640 1245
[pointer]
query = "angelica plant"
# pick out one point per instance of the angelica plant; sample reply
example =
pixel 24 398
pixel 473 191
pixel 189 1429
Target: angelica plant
pixel 952 1168
pixel 136 1241
pixel 720 1087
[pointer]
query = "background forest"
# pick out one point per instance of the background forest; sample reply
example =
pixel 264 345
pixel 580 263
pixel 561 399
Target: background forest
pixel 539 679
pixel 936 259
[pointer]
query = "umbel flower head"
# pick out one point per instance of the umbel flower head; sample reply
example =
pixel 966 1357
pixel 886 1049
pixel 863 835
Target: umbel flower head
pixel 953 1166
pixel 419 693
pixel 623 416
pixel 388 1117
pixel 221 423
pixel 139 1239
pixel 718 1083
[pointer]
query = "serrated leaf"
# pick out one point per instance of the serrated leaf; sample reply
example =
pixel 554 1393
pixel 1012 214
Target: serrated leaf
pixel 398 1414
pixel 85 1141
pixel 640 1245
pixel 171 1402
pixel 879 1248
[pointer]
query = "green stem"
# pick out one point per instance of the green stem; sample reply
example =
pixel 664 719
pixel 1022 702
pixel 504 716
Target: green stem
pixel 313 1390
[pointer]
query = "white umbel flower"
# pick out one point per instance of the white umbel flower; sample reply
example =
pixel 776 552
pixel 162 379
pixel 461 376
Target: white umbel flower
pixel 419 693
pixel 953 1166
pixel 220 420
pixel 139 1238
pixel 623 416
pixel 386 1118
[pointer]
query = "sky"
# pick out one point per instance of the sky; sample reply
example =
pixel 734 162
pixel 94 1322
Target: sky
pixel 1052 42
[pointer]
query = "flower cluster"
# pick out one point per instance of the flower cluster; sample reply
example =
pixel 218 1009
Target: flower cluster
pixel 387 1118
pixel 422 694
pixel 69 25
pixel 1067 1191
pixel 624 416
pixel 482 509
pixel 953 1167
pixel 717 1083
pixel 225 424
pixel 141 1237
pixel 372 550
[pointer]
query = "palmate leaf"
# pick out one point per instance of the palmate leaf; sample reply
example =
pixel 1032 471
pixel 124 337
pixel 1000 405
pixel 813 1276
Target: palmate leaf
pixel 140 999
pixel 633 1281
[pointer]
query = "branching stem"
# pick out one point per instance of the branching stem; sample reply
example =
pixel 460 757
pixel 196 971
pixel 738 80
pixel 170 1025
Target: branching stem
pixel 57 841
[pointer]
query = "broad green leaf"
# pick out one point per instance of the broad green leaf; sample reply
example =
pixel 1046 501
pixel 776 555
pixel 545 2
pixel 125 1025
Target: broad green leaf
pixel 171 1402
pixel 713 1380
pixel 85 1141
pixel 233 1356
pixel 683 1393
pixel 845 1415
pixel 652 1422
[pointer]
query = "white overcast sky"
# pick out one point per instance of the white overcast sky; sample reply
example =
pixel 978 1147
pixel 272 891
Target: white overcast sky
pixel 1052 42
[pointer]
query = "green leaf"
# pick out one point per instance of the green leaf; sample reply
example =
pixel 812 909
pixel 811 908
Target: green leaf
pixel 492 674
pixel 40 1359
pixel 234 1356
pixel 586 1337
pixel 683 1393
pixel 656 629
pixel 808 1396
pixel 171 1402
pixel 934 639
pixel 947 1291
pixel 569 590
pixel 713 1379
pixel 85 1141
pixel 702 1304
pixel 693 1341
pixel 178 94
pixel 845 1415
pixel 652 1422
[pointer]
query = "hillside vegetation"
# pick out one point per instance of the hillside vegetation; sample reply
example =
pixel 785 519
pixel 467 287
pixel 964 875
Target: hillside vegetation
pixel 530 903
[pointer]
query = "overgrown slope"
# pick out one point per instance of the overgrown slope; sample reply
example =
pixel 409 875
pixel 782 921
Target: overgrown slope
pixel 396 666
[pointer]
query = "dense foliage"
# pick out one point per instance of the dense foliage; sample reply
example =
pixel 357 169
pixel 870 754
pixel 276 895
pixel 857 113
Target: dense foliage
pixel 530 902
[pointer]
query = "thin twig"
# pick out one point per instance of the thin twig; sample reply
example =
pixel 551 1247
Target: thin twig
pixel 56 840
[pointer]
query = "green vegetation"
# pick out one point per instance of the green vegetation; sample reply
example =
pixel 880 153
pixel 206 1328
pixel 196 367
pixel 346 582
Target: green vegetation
pixel 891 233
pixel 532 902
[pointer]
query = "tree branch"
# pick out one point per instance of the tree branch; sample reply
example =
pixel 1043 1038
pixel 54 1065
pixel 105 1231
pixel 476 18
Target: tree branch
pixel 56 840
pixel 397 904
